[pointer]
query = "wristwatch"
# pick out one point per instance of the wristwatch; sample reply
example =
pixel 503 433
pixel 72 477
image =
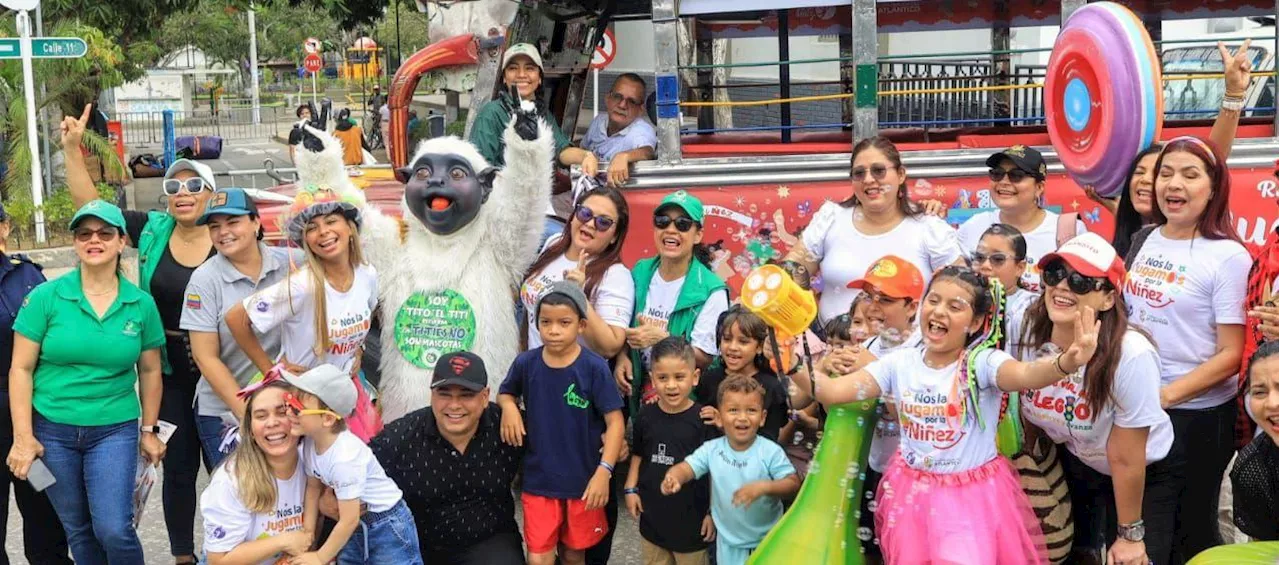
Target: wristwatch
pixel 149 429
pixel 1132 532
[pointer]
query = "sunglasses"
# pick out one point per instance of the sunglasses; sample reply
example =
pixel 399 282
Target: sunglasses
pixel 192 185
pixel 878 172
pixel 997 259
pixel 683 223
pixel 586 216
pixel 618 98
pixel 84 235
pixel 1078 283
pixel 298 409
pixel 1015 175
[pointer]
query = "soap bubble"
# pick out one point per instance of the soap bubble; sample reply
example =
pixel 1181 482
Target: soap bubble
pixel 864 534
pixel 871 504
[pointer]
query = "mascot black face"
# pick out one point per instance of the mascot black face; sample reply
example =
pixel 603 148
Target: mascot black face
pixel 444 192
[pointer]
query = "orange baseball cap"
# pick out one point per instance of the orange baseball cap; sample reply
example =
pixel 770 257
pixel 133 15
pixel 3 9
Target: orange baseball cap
pixel 893 276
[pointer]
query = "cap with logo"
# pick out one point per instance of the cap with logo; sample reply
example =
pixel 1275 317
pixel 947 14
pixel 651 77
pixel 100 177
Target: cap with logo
pixel 1090 255
pixel 102 210
pixel 200 169
pixel 461 368
pixel 1023 157
pixel 685 201
pixel 331 385
pixel 569 290
pixel 893 276
pixel 526 49
pixel 228 202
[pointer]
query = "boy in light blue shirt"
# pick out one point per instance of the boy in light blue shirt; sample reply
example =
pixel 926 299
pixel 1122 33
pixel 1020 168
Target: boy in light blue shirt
pixel 744 468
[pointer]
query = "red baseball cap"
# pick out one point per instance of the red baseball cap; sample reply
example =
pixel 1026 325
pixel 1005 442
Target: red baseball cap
pixel 1089 255
pixel 893 276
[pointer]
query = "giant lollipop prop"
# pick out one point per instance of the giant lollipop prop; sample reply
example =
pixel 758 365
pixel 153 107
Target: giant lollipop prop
pixel 822 524
pixel 1104 99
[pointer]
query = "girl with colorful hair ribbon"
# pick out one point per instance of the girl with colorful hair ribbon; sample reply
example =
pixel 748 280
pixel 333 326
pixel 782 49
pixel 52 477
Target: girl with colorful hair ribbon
pixel 948 495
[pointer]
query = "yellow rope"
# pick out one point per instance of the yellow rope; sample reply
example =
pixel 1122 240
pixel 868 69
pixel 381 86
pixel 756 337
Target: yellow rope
pixel 766 102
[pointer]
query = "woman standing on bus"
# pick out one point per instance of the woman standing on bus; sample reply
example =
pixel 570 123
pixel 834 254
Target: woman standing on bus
pixel 170 246
pixel 846 238
pixel 1186 288
pixel 1133 208
pixel 1017 190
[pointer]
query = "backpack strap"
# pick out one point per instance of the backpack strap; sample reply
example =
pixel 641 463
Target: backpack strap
pixel 1067 227
pixel 1139 238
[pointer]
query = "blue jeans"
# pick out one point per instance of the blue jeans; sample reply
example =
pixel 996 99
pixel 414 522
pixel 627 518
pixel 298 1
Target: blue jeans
pixel 384 537
pixel 210 430
pixel 95 468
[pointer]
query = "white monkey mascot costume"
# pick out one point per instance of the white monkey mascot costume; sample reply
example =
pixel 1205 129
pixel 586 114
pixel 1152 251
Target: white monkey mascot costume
pixel 448 282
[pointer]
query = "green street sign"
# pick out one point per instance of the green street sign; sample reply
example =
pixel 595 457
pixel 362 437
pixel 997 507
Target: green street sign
pixel 45 48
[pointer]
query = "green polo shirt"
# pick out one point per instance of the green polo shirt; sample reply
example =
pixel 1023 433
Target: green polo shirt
pixel 87 371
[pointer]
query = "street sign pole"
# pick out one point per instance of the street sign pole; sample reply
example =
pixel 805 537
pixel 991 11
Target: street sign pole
pixel 29 91
pixel 253 66
pixel 313 89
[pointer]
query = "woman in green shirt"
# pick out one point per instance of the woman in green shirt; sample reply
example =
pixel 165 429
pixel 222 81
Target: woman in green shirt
pixel 77 341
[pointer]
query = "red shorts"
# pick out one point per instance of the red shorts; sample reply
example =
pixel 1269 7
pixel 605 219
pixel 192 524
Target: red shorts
pixel 549 522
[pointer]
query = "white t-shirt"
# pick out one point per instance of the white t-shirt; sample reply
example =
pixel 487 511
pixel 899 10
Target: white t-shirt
pixel 844 253
pixel 288 304
pixel 1061 410
pixel 930 441
pixel 662 301
pixel 227 523
pixel 351 470
pixel 1040 242
pixel 885 436
pixel 614 298
pixel 1179 291
pixel 1015 313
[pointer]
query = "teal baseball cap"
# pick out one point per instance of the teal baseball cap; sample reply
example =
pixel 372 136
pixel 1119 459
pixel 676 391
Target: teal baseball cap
pixel 685 201
pixel 228 202
pixel 102 210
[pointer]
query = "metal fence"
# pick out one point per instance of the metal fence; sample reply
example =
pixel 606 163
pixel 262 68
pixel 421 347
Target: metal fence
pixel 147 128
pixel 906 76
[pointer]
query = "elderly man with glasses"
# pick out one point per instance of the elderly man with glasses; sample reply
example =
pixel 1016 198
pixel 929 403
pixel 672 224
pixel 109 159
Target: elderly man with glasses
pixel 619 136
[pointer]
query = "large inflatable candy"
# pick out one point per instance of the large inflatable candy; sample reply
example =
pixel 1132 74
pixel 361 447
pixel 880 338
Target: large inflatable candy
pixel 1104 99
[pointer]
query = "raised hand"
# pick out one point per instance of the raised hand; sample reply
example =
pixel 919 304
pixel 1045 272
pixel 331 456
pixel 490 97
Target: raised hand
pixel 578 274
pixel 1236 68
pixel 73 128
pixel 526 117
pixel 1086 339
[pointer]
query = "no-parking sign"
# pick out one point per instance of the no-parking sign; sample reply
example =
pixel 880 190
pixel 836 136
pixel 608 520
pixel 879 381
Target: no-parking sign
pixel 605 51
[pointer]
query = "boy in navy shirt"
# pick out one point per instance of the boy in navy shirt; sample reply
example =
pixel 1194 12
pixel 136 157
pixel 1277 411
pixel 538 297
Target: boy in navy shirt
pixel 570 399
pixel 673 529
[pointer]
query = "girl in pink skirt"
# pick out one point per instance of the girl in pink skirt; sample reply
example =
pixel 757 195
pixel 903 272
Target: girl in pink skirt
pixel 948 497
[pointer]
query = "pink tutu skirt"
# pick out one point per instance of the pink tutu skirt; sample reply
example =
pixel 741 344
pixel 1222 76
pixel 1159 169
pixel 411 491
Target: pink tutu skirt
pixel 975 517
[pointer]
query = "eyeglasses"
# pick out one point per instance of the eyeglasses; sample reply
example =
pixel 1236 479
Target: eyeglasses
pixel 586 216
pixel 84 235
pixel 1078 283
pixel 1015 175
pixel 192 185
pixel 997 259
pixel 683 223
pixel 878 172
pixel 298 409
pixel 618 98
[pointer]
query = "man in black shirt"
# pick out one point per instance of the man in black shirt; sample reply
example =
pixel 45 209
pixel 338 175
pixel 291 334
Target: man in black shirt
pixel 454 469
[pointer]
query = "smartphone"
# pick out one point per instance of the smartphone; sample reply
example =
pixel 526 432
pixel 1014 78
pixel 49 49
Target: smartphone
pixel 39 476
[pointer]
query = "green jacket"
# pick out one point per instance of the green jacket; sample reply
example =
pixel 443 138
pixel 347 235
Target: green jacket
pixel 699 284
pixel 486 132
pixel 151 243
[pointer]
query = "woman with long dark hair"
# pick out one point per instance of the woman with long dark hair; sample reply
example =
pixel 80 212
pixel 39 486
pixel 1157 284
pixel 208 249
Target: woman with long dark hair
pixel 1186 288
pixel 846 238
pixel 1107 415
pixel 589 253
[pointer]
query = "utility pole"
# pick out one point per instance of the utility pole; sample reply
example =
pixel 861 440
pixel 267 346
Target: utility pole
pixel 253 66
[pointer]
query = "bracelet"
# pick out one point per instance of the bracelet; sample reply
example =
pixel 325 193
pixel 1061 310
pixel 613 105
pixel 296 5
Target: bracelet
pixel 607 467
pixel 1232 105
pixel 631 490
pixel 1057 364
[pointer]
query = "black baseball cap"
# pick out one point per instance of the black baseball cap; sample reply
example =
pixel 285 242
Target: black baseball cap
pixel 462 368
pixel 1023 157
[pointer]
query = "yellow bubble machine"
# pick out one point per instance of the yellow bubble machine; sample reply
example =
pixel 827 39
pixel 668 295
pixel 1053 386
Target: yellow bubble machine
pixel 822 524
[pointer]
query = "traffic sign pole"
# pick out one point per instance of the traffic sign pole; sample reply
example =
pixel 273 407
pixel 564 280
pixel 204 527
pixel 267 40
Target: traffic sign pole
pixel 29 91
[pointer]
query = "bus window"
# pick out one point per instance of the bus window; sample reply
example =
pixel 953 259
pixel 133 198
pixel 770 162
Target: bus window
pixel 1183 97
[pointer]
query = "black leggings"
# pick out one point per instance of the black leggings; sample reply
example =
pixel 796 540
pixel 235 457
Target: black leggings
pixel 181 465
pixel 43 539
pixel 1205 440
pixel 1093 505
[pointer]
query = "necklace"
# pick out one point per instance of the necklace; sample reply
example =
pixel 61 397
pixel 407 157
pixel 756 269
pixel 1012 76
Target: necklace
pixel 103 293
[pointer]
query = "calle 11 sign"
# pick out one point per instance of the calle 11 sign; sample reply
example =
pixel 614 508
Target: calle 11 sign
pixel 44 48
